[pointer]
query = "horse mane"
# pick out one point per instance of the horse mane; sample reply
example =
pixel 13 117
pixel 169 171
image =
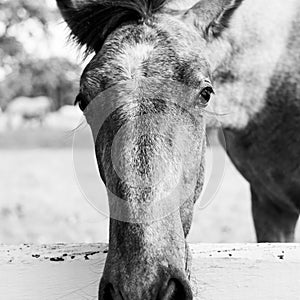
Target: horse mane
pixel 93 21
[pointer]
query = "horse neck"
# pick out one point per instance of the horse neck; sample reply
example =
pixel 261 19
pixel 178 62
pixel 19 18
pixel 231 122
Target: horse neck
pixel 246 58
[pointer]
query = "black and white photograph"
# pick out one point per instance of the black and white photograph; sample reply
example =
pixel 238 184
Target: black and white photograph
pixel 149 149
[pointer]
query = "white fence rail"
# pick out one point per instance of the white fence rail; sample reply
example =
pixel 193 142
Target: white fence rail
pixel 220 272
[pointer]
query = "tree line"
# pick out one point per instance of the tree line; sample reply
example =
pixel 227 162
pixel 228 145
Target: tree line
pixel 22 73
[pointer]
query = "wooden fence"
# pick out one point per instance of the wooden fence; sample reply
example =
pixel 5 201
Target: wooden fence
pixel 220 272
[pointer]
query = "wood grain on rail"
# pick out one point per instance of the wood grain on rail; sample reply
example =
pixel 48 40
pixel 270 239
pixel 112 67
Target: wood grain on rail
pixel 220 271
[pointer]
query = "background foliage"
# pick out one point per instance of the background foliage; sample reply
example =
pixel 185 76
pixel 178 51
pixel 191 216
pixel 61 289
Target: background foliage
pixel 24 74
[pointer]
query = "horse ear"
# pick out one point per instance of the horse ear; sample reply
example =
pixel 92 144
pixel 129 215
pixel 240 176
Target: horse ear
pixel 77 14
pixel 212 17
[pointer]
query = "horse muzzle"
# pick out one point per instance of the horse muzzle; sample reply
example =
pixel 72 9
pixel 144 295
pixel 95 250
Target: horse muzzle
pixel 169 285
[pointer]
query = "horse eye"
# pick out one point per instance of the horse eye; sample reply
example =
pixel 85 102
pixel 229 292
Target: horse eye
pixel 82 102
pixel 205 94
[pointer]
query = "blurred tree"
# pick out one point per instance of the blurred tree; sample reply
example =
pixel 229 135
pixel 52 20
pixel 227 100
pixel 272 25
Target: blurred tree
pixel 18 11
pixel 14 14
pixel 23 75
pixel 55 77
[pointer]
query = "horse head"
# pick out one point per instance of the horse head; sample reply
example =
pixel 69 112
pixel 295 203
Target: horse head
pixel 144 94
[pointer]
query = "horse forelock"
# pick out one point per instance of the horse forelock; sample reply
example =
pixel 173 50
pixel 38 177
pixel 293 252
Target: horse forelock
pixel 93 23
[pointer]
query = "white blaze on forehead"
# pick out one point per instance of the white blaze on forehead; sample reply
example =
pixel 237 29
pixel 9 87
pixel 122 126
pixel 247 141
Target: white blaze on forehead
pixel 181 4
pixel 132 58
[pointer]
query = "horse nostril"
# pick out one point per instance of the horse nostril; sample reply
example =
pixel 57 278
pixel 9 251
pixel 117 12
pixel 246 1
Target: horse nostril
pixel 108 292
pixel 175 290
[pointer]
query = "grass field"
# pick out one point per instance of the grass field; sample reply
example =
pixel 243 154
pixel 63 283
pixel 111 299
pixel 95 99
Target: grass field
pixel 41 201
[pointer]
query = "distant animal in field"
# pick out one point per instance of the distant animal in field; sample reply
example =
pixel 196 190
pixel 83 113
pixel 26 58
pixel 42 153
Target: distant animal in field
pixel 146 95
pixel 23 110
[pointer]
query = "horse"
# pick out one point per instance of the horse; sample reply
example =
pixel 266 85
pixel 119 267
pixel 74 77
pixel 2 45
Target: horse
pixel 28 109
pixel 161 69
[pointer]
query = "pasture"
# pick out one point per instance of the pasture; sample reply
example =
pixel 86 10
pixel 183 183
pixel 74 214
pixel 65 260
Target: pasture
pixel 40 201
